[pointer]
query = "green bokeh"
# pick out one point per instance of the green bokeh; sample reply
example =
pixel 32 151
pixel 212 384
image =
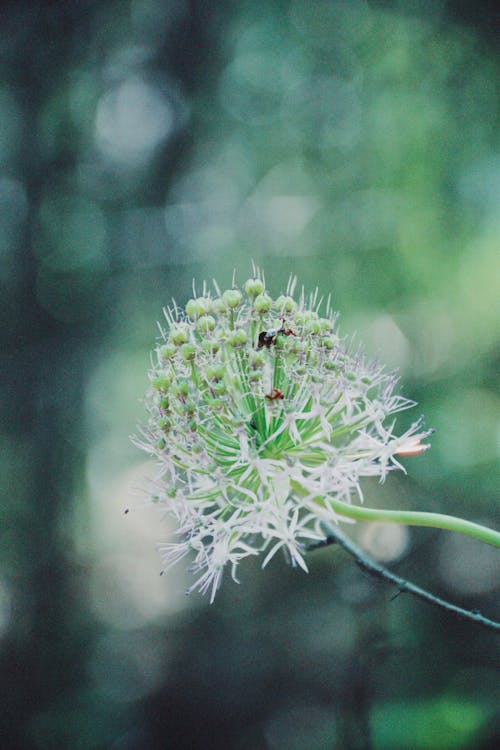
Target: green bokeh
pixel 147 143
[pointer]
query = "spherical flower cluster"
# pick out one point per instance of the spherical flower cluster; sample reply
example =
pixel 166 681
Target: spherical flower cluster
pixel 260 417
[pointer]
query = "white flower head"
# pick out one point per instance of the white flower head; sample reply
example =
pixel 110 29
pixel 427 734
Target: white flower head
pixel 258 414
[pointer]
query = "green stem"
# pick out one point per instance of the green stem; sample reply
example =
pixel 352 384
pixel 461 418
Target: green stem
pixel 410 518
pixel 418 518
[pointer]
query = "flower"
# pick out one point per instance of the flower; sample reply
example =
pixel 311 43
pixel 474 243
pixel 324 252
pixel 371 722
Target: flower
pixel 259 414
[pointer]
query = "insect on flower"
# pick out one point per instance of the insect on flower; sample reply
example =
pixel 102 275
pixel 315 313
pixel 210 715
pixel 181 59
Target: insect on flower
pixel 268 338
pixel 275 395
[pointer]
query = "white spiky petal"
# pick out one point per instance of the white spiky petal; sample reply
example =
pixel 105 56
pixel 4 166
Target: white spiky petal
pixel 239 422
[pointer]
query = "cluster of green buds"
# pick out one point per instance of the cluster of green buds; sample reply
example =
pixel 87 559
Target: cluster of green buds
pixel 263 421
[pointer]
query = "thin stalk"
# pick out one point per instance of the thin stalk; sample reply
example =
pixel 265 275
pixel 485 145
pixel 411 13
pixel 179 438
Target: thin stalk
pixel 419 518
pixel 335 536
pixel 410 518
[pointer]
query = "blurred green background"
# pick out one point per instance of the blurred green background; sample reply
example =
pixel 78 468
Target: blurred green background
pixel 144 143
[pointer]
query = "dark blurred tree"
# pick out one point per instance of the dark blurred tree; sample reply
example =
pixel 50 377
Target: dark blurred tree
pixel 47 353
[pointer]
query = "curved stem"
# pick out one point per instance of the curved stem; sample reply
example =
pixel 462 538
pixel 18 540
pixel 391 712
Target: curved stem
pixel 375 569
pixel 405 517
pixel 418 518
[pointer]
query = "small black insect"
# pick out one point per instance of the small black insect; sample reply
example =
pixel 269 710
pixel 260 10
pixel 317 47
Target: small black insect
pixel 268 338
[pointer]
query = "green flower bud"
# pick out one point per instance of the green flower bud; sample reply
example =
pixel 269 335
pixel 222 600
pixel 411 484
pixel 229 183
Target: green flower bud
pixel 188 352
pixel 195 308
pixel 160 444
pixel 179 333
pixel 263 303
pixel 285 304
pixel 219 306
pixel 309 315
pixel 205 324
pixel 215 373
pixel 312 327
pixel 255 375
pixel 189 408
pixel 256 359
pixel 180 389
pixel 280 342
pixel 237 338
pixel 254 287
pixel 162 382
pixel 329 342
pixel 167 351
pixel 232 298
pixel 299 347
pixel 164 403
pixel 219 388
pixel 164 424
pixel 211 346
pixel 214 403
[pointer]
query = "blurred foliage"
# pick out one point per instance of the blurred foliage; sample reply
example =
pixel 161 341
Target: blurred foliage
pixel 147 142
